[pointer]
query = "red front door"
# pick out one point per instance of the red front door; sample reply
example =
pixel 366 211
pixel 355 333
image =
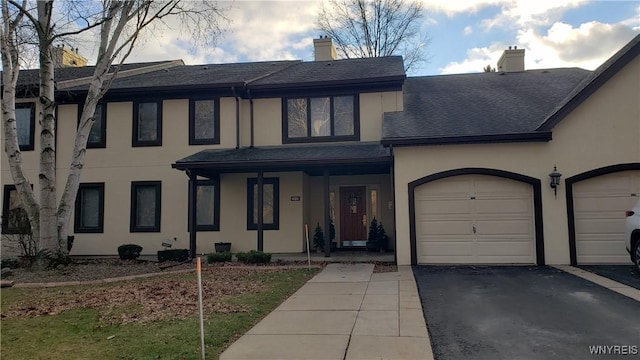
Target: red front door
pixel 353 216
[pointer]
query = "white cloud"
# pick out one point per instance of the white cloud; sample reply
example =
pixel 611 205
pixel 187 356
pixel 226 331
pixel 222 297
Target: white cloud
pixel 586 46
pixel 454 7
pixel 530 13
pixel 468 30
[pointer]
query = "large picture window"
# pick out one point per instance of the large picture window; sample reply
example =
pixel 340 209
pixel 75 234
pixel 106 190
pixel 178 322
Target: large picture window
pixel 208 205
pixel 147 123
pixel 270 204
pixel 145 206
pixel 25 125
pixel 204 121
pixel 89 209
pixel 330 118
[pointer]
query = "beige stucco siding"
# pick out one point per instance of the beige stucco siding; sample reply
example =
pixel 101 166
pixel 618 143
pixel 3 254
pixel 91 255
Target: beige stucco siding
pixel 372 108
pixel 604 130
pixel 233 216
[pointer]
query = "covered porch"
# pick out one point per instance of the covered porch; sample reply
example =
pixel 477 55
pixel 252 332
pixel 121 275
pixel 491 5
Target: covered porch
pixel 339 187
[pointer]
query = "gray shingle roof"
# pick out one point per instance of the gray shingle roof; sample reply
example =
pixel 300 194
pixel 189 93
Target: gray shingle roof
pixel 479 104
pixel 298 153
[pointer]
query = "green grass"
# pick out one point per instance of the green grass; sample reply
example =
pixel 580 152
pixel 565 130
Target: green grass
pixel 79 334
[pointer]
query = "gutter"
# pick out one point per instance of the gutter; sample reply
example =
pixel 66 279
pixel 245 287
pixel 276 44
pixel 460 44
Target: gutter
pixel 235 95
pixel 538 136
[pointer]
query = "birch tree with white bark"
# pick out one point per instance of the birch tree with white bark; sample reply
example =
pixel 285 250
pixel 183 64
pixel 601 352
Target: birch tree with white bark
pixel 119 25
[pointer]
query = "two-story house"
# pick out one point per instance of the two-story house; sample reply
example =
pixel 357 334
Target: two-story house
pixel 284 136
pixel 456 167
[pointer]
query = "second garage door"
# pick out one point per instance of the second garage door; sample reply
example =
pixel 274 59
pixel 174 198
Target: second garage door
pixel 474 219
pixel 599 204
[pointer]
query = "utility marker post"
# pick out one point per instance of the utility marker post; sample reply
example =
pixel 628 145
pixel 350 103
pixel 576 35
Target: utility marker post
pixel 199 271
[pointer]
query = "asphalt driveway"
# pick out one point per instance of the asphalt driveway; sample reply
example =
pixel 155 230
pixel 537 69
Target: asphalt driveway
pixel 523 312
pixel 624 274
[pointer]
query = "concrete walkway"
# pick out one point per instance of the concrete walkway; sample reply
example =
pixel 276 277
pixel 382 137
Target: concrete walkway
pixel 345 312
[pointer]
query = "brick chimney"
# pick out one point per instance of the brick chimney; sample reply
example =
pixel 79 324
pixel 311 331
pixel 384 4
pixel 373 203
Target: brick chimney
pixel 63 57
pixel 324 49
pixel 512 60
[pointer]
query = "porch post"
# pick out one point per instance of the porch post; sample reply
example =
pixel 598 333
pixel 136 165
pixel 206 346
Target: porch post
pixel 327 216
pixel 260 224
pixel 192 213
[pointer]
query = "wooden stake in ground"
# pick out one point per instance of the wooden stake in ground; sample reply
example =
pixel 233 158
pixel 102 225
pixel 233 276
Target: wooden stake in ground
pixel 199 272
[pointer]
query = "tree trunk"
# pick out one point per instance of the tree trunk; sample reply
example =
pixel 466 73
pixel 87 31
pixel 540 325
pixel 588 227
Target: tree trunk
pixel 47 175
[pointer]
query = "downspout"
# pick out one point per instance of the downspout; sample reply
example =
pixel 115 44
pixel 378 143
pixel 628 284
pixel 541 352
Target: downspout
pixel 235 95
pixel 393 199
pixel 250 114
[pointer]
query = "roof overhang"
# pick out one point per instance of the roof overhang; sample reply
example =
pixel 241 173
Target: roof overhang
pixel 538 136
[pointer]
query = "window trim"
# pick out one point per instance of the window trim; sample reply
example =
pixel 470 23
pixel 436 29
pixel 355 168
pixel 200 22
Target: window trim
pixel 32 106
pixel 77 228
pixel 133 228
pixel 216 205
pixel 215 140
pixel 103 133
pixel 136 109
pixel 315 139
pixel 276 203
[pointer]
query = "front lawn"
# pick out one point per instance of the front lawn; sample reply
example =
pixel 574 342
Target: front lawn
pixel 152 318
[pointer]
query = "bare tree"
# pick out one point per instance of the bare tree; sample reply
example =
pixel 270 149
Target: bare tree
pixel 488 68
pixel 375 28
pixel 119 25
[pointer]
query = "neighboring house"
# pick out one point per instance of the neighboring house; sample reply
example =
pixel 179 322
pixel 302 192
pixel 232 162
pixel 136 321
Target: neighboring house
pixel 456 166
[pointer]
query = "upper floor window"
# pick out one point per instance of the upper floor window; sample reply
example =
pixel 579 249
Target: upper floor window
pixel 25 125
pixel 329 118
pixel 204 121
pixel 147 123
pixel 89 209
pixel 98 134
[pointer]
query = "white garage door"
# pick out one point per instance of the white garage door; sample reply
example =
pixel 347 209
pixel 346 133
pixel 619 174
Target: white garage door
pixel 599 204
pixel 474 219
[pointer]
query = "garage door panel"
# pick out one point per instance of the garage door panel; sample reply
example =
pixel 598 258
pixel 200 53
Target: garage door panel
pixel 494 248
pixel 504 227
pixel 444 208
pixel 446 228
pixel 500 210
pixel 504 207
pixel 599 204
pixel 451 247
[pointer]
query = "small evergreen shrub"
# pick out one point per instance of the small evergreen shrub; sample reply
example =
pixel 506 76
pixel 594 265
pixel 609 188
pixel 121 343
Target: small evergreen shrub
pixel 129 251
pixel 219 257
pixel 254 257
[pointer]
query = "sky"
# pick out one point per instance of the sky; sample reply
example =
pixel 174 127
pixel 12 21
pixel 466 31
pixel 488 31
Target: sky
pixel 465 35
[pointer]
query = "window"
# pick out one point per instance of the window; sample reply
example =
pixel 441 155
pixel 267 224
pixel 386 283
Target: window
pixel 270 204
pixel 98 134
pixel 204 121
pixel 25 125
pixel 14 217
pixel 208 205
pixel 147 123
pixel 89 209
pixel 314 119
pixel 145 206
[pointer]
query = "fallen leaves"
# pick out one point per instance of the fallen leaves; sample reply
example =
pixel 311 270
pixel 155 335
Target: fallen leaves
pixel 152 299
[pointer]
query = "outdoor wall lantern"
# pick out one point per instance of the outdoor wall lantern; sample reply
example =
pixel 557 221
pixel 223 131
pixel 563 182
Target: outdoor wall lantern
pixel 555 180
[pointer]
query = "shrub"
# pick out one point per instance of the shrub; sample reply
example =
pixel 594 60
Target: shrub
pixel 178 255
pixel 129 251
pixel 219 257
pixel 12 263
pixel 254 257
